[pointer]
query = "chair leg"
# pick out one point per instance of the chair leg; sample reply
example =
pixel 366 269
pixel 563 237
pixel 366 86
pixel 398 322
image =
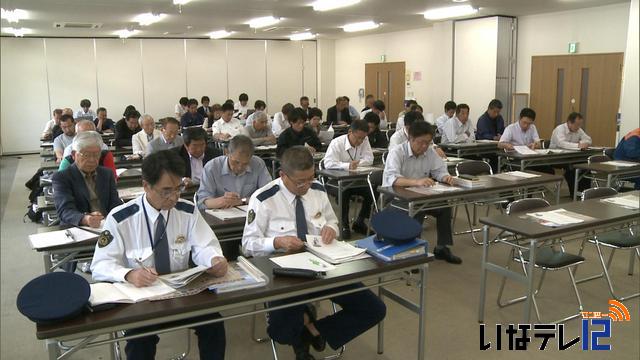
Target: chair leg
pixel 471 230
pixel 254 337
pixel 605 269
pixel 274 351
pixel 187 351
pixel 504 280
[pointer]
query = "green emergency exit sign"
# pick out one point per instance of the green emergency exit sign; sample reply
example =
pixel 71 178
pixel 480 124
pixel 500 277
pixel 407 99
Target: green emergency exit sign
pixel 573 47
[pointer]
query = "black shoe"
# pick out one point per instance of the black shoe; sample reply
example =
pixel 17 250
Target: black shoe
pixel 302 351
pixel 318 342
pixel 444 253
pixel 360 227
pixel 345 234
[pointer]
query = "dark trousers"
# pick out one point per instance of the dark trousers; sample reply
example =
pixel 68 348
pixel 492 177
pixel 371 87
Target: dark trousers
pixel 211 341
pixel 570 177
pixel 360 312
pixel 443 224
pixel 367 201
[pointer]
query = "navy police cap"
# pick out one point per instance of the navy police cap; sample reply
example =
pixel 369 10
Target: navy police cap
pixel 395 226
pixel 53 297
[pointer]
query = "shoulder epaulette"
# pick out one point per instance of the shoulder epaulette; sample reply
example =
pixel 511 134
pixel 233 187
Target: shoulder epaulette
pixel 126 212
pixel 317 186
pixel 268 193
pixel 185 206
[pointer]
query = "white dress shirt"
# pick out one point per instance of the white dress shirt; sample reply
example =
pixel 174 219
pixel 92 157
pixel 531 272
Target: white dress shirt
pixel 279 124
pixel 563 138
pixel 89 115
pixel 240 111
pixel 140 140
pixel 187 233
pixel 402 162
pixel 455 132
pixel 274 214
pixel 398 137
pixel 48 127
pixel 514 135
pixel 383 118
pixel 232 127
pixel 180 110
pixel 196 168
pixel 340 153
pixel 440 121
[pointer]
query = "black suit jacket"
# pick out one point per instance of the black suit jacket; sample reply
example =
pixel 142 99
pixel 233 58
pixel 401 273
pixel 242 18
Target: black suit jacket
pixel 209 153
pixel 332 116
pixel 201 111
pixel 71 195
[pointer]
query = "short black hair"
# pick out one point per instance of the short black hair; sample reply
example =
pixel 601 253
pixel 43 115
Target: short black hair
pixel 528 112
pixel 85 103
pixel 495 104
pixel 127 110
pixel 304 98
pixel 372 118
pixel 359 125
pixel 449 105
pixel 410 102
pixel 411 117
pixel 315 112
pixel 416 107
pixel 369 96
pixel 420 128
pixel 296 158
pixel 346 98
pixel 296 114
pixel 460 107
pixel 66 117
pixel 133 114
pixel 227 107
pixel 194 133
pixel 259 104
pixel 100 109
pixel 574 116
pixel 287 108
pixel 243 97
pixel 156 164
pixel 379 105
pixel 229 101
pixel 169 120
pixel 183 101
pixel 204 98
pixel 192 102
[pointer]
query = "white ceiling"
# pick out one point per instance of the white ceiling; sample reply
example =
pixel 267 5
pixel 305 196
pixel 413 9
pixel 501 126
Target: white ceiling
pixel 200 17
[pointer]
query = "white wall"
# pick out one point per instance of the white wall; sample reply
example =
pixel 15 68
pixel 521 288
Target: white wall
pixel 326 73
pixel 629 101
pixel 598 30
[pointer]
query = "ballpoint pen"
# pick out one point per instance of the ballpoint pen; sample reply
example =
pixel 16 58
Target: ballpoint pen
pixel 143 266
pixel 69 235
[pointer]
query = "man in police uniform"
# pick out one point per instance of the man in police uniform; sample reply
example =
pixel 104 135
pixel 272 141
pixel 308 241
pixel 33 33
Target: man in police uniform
pixel 280 216
pixel 153 235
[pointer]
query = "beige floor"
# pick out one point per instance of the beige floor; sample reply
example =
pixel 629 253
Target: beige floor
pixel 452 329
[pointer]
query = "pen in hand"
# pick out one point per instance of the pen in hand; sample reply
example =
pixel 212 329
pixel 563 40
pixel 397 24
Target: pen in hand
pixel 69 235
pixel 139 262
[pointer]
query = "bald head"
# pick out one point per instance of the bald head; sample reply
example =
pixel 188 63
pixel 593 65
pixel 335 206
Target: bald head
pixel 85 125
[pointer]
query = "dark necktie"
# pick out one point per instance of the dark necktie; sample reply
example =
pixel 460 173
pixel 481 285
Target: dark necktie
pixel 301 221
pixel 149 137
pixel 161 247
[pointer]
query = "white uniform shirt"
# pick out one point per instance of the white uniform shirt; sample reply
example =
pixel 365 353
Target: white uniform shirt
pixel 279 124
pixel 455 132
pixel 272 213
pixel 440 121
pixel 187 232
pixel 398 137
pixel 563 138
pixel 340 153
pixel 232 127
pixel 139 141
pixel 514 135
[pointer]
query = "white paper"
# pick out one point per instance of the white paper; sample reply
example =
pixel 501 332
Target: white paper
pixel 429 190
pixel 105 293
pixel 524 150
pixel 487 141
pixel 621 163
pixel 522 174
pixel 95 230
pixel 557 216
pixel 135 294
pixel 542 151
pixel 454 159
pixel 244 208
pixel 336 250
pixel 120 171
pixel 226 214
pixel 628 201
pixel 304 260
pixel 131 192
pixel 181 278
pixel 266 147
pixel 366 169
pixel 54 238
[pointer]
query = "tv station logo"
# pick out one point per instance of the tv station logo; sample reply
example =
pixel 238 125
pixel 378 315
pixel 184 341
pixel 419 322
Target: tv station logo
pixel 596 328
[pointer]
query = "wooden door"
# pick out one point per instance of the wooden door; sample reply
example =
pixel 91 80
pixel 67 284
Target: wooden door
pixel 589 84
pixel 386 82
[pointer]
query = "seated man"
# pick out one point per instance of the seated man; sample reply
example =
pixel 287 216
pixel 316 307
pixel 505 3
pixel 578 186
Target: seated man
pixel 315 120
pixel 228 179
pixel 47 133
pixel 458 129
pixel 298 134
pixel 378 108
pixel 628 149
pixel 449 112
pixel 106 157
pixel 259 106
pixel 523 133
pixel 570 136
pixel 192 117
pixel 354 114
pixel 304 105
pixel 205 109
pixel 126 128
pixel 368 103
pixel 68 126
pixel 156 234
pixel 85 111
pixel 241 108
pixel 377 139
pixel 347 152
pixel 416 163
pixel 401 135
pixel 196 154
pixel 339 113
pixel 491 124
pixel 227 126
pixel 104 125
pixel 141 139
pixel 281 119
pixel 168 138
pixel 214 115
pixel 281 214
pixel 259 131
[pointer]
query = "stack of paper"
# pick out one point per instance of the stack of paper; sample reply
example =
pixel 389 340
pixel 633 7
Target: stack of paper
pixel 182 278
pixel 627 201
pixel 130 193
pixel 524 150
pixel 337 252
pixel 515 175
pixel 304 260
pixel 556 217
pixel 470 184
pixel 60 237
pixel 621 163
pixel 366 169
pixel 266 147
pixel 230 213
pixel 429 190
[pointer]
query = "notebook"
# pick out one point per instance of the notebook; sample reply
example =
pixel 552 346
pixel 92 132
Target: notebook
pixel 60 237
pixel 389 252
pixel 337 252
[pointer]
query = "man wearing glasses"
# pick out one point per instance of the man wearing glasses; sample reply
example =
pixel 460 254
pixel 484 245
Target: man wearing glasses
pixel 157 234
pixel 280 216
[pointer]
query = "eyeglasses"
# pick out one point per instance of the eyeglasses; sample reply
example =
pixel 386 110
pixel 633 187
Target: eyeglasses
pixel 93 156
pixel 168 193
pixel 301 183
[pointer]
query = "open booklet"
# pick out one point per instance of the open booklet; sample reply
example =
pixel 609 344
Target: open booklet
pixel 230 213
pixel 558 217
pixel 240 275
pixel 337 252
pixel 60 237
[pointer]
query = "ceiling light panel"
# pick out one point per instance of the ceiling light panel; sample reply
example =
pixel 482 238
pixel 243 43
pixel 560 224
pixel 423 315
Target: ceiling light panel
pixel 264 21
pixel 125 33
pixel 219 34
pixel 148 18
pixel 13 16
pixel 302 36
pixel 360 26
pixel 17 32
pixel 449 12
pixel 327 5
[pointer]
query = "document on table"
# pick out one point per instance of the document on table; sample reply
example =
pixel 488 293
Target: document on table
pixel 60 237
pixel 558 217
pixel 627 201
pixel 266 147
pixel 97 230
pixel 486 141
pixel 304 260
pixel 226 214
pixel 132 192
pixel 105 293
pixel 514 175
pixel 336 252
pixel 182 278
pixel 429 190
pixel 366 169
pixel 524 150
pixel 621 163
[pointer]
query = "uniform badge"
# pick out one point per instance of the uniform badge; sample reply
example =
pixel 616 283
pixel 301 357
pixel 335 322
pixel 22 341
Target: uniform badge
pixel 317 215
pixel 180 239
pixel 104 239
pixel 251 216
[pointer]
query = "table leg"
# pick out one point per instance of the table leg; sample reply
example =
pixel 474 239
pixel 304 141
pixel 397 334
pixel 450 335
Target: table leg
pixel 46 257
pixel 558 187
pixel 575 185
pixel 380 324
pixel 483 272
pixel 340 200
pixel 422 318
pixel 530 282
pixel 609 180
pixel 52 349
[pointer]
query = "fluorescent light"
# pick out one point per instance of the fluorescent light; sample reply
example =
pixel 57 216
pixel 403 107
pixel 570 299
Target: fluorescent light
pixel 302 36
pixel 264 21
pixel 459 1
pixel 148 18
pixel 180 2
pixel 13 16
pixel 125 33
pixel 17 32
pixel 360 26
pixel 326 5
pixel 449 12
pixel 219 34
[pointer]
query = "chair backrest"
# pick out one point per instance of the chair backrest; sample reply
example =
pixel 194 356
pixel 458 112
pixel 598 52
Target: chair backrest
pixel 374 179
pixel 545 143
pixel 597 158
pixel 598 192
pixel 474 168
pixel 384 157
pixel 526 204
pixel 390 133
pixel 321 164
pixel 609 152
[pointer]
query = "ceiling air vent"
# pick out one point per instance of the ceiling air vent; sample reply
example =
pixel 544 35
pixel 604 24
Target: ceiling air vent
pixel 76 25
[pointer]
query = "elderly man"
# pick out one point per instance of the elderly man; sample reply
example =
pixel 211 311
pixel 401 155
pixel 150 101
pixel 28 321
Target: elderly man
pixel 570 136
pixel 168 138
pixel 259 131
pixel 339 113
pixel 227 180
pixel 106 157
pixel 68 126
pixel 141 139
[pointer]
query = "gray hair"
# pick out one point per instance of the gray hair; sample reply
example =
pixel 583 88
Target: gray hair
pixel 241 144
pixel 85 123
pixel 86 139
pixel 145 117
pixel 296 158
pixel 259 115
